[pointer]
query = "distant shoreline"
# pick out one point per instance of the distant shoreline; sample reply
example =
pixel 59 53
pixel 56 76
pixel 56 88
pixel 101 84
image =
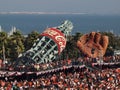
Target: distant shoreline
pixel 39 13
pixel 55 13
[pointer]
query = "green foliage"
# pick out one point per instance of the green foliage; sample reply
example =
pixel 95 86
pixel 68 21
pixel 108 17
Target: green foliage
pixel 71 49
pixel 15 43
pixel 73 52
pixel 3 43
pixel 18 43
pixel 114 42
pixel 30 39
pixel 77 36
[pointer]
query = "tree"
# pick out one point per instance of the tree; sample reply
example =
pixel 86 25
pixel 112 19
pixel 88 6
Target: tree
pixel 30 39
pixel 3 42
pixel 15 44
pixel 114 43
pixel 77 36
pixel 71 50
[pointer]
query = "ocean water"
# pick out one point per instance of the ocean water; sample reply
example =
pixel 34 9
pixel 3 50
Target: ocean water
pixel 82 23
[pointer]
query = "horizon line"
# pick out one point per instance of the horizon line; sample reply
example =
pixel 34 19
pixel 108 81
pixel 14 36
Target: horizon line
pixel 51 13
pixel 41 12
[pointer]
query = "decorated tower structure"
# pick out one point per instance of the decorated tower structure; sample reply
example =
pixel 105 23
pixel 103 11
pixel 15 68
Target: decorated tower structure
pixel 48 46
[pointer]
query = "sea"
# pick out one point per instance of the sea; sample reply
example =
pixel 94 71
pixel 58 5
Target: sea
pixel 82 23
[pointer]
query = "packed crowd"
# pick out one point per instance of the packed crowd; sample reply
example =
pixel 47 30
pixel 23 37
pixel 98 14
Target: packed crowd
pixel 68 79
pixel 61 63
pixel 73 78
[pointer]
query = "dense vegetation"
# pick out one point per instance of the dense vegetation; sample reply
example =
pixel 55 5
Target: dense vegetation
pixel 11 46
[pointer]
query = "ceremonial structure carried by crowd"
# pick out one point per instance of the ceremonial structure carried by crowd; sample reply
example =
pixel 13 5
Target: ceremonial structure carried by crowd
pixel 81 74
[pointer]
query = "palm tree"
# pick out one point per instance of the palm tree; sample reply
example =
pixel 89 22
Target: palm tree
pixel 3 41
pixel 15 44
pixel 30 40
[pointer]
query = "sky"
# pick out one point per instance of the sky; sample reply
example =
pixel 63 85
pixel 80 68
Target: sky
pixel 70 6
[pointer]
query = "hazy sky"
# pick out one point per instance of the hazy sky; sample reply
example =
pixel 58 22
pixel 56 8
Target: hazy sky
pixel 79 6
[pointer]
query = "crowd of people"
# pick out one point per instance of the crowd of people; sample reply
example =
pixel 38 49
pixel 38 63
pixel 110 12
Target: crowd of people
pixel 60 63
pixel 81 74
pixel 68 79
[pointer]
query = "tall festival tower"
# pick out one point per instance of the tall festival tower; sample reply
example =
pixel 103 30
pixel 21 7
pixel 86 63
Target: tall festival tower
pixel 48 46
